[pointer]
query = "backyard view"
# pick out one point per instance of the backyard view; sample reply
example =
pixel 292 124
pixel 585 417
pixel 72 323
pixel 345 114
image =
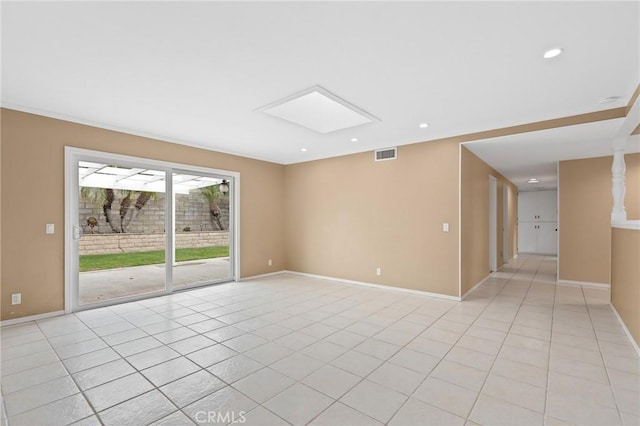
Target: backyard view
pixel 93 262
pixel 123 214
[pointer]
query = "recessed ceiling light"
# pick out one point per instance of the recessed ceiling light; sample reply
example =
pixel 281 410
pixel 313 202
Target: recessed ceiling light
pixel 423 125
pixel 533 180
pixel 609 100
pixel 552 53
pixel 303 149
pixel 354 139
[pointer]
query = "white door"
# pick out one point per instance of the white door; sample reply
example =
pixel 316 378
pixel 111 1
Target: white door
pixel 493 224
pixel 527 237
pixel 505 224
pixel 548 206
pixel 547 238
pixel 527 206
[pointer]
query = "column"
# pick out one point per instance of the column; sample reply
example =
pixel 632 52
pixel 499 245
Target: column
pixel 618 189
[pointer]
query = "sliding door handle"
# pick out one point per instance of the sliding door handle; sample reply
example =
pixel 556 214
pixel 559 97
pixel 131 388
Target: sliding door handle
pixel 77 232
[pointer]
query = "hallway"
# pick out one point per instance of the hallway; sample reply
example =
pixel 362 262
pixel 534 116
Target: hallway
pixel 295 350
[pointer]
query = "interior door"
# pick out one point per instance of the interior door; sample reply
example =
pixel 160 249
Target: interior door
pixel 506 252
pixel 493 224
pixel 548 206
pixel 527 206
pixel 527 237
pixel 547 238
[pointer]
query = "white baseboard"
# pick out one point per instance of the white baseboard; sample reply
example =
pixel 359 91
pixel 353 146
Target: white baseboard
pixel 269 274
pixel 379 286
pixel 475 287
pixel 626 330
pixel 30 318
pixel 584 284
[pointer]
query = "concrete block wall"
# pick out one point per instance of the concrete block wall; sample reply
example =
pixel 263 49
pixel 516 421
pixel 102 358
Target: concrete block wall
pixel 192 211
pixel 129 243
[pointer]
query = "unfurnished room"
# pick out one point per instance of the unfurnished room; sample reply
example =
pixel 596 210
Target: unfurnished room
pixel 334 213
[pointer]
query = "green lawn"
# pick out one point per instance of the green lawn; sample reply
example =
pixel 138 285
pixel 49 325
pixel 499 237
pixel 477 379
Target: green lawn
pixel 94 262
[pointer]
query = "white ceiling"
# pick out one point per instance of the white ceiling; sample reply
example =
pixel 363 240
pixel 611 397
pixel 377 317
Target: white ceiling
pixel 195 72
pixel 535 154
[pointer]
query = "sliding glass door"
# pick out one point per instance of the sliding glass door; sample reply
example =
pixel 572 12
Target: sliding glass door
pixel 202 221
pixel 139 228
pixel 122 221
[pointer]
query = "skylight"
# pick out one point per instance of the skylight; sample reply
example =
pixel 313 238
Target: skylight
pixel 319 110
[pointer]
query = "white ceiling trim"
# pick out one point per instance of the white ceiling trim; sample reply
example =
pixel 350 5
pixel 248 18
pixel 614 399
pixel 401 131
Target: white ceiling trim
pixel 133 132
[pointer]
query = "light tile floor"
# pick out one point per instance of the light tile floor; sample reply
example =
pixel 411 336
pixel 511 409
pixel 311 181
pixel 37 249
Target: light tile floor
pixel 294 350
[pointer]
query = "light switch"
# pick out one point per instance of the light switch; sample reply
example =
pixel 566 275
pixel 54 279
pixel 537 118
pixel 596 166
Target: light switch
pixel 50 228
pixel 445 227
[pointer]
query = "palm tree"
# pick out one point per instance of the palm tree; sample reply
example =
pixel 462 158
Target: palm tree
pixel 141 201
pixel 109 197
pixel 212 193
pixel 106 196
pixel 124 209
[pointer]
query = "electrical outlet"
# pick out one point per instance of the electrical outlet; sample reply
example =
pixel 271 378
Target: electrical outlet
pixel 16 298
pixel 50 228
pixel 445 227
pixel 270 262
pixel 378 271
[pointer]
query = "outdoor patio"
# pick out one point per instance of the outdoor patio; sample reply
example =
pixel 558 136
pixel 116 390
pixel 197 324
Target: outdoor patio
pixel 108 284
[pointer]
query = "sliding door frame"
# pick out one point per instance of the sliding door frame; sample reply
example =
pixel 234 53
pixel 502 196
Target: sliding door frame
pixel 71 226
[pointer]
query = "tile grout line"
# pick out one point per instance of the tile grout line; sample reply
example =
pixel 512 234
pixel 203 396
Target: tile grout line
pixel 136 370
pixel 453 345
pixel 205 368
pixel 502 344
pixel 443 356
pixel 46 339
pixel 546 387
pixel 299 298
pixel 388 305
pixel 604 364
pixel 387 360
pixel 94 412
pixel 299 351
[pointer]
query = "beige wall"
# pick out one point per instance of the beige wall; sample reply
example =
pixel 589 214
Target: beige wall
pixel 584 209
pixel 341 217
pixel 32 178
pixel 474 198
pixel 348 215
pixel 625 277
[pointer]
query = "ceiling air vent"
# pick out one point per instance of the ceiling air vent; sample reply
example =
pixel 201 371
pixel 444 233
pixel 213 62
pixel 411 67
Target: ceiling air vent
pixel 386 154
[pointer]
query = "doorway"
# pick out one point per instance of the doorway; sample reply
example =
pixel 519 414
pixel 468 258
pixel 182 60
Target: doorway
pixel 506 253
pixel 493 222
pixel 137 228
